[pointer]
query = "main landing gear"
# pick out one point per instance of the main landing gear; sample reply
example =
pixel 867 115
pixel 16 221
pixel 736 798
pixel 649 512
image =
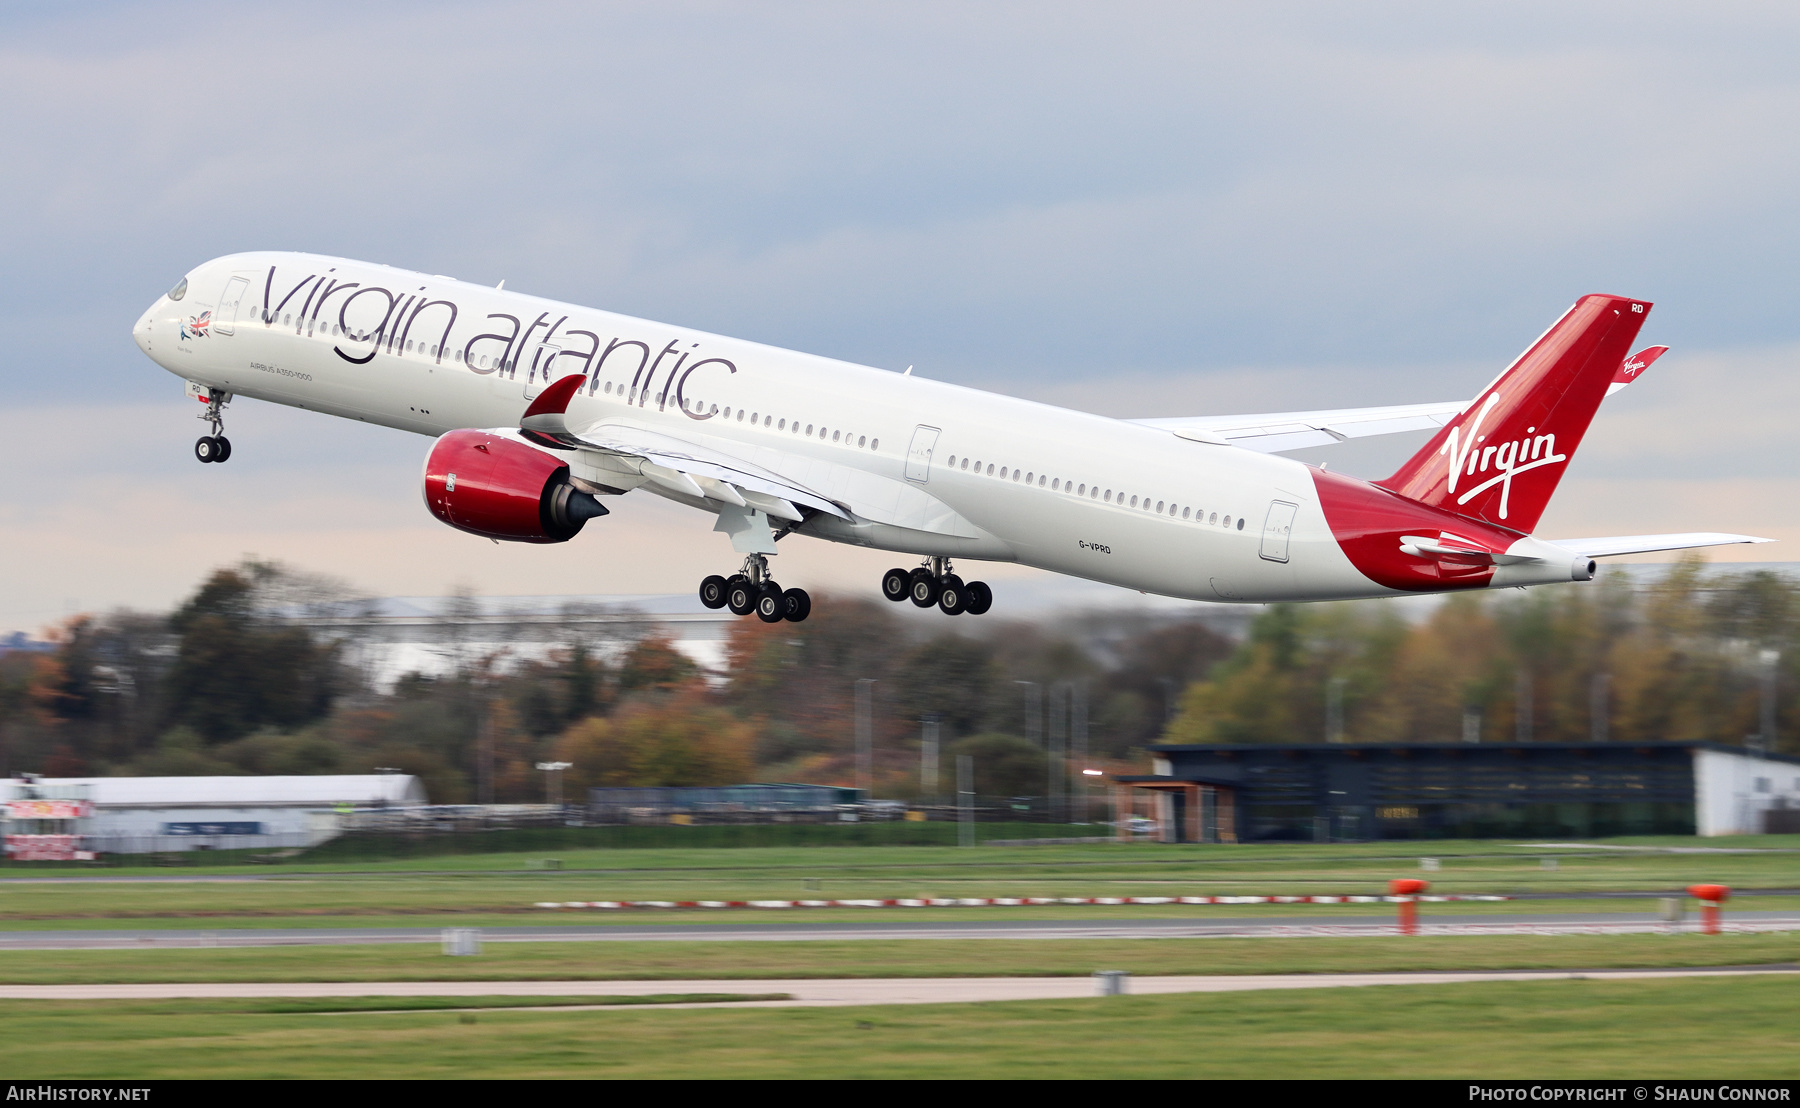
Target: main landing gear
pixel 214 447
pixel 752 590
pixel 934 585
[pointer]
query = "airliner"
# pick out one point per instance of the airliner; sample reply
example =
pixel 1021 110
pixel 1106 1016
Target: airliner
pixel 539 410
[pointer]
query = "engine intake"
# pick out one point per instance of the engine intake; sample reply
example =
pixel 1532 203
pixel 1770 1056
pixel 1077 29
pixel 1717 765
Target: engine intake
pixel 500 488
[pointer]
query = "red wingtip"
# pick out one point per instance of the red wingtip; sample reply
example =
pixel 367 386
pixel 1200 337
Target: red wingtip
pixel 555 399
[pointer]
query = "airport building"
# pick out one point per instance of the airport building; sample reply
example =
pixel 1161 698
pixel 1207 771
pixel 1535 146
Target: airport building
pixel 1348 792
pixel 69 817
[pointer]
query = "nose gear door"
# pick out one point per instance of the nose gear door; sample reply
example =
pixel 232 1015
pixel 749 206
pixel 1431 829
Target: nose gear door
pixel 1277 529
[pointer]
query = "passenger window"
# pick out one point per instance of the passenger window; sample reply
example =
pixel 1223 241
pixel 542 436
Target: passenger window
pixel 861 442
pixel 1214 519
pixel 874 444
pixel 1002 473
pixel 740 415
pixel 834 436
pixel 1134 502
pixel 1240 522
pixel 1159 505
pixel 1109 496
pixel 608 389
pixel 1185 512
pixel 727 413
pixel 809 430
pixel 990 469
pixel 783 426
pixel 1040 480
pixel 1082 491
pixel 965 463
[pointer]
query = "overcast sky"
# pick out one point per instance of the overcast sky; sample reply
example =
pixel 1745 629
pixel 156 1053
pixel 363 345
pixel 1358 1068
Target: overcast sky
pixel 1138 209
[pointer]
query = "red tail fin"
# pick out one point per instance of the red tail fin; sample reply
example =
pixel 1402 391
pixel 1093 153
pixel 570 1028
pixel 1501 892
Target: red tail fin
pixel 1500 460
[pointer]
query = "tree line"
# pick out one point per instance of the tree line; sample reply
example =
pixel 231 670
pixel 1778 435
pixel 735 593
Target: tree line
pixel 243 677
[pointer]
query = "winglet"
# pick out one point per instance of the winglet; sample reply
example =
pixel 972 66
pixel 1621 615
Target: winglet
pixel 546 412
pixel 1633 367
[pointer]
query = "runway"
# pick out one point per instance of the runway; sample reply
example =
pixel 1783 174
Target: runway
pixel 853 930
pixel 838 992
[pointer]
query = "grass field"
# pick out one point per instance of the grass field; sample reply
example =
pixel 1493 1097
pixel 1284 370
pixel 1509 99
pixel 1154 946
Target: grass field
pixel 890 958
pixel 1739 1028
pixel 492 887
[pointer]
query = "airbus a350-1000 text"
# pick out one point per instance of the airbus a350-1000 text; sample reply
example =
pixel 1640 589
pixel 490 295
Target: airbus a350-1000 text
pixel 541 410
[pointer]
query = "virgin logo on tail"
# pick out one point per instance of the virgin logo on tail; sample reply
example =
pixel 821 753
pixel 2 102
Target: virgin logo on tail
pixel 1469 458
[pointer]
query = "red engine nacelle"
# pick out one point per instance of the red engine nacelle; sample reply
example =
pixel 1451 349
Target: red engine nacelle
pixel 500 488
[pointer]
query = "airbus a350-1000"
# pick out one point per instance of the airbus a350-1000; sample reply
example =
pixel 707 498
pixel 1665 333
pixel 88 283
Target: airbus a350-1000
pixel 540 410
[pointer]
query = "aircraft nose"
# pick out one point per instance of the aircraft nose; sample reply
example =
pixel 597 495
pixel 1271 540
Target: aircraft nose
pixel 140 332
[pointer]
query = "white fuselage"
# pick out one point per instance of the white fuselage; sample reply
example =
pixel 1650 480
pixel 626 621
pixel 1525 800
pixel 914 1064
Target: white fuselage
pixel 1004 480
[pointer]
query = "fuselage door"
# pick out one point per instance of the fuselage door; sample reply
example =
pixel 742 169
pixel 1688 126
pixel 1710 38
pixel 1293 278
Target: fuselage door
pixel 918 456
pixel 543 363
pixel 225 316
pixel 1277 529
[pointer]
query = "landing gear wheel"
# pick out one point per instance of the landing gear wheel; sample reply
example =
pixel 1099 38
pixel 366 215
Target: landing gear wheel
pixel 953 597
pixel 770 607
pixel 712 591
pixel 925 590
pixel 224 449
pixel 207 449
pixel 981 598
pixel 741 596
pixel 896 584
pixel 796 604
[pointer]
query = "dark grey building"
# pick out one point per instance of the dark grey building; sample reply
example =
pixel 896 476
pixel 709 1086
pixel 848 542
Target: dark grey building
pixel 1322 792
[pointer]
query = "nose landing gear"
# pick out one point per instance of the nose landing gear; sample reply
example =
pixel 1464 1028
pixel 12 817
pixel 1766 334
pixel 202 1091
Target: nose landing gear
pixel 214 447
pixel 752 590
pixel 934 585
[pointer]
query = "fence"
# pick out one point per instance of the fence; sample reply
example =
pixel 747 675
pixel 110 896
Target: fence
pixel 373 834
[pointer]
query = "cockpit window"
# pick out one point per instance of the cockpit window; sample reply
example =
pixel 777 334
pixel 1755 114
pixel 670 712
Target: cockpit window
pixel 179 291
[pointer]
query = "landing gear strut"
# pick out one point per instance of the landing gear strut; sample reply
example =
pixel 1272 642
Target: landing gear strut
pixel 934 585
pixel 214 447
pixel 753 590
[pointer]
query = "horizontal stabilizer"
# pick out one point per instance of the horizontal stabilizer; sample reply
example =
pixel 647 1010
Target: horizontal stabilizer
pixel 1649 544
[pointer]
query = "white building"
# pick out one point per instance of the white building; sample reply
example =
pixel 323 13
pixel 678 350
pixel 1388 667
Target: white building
pixel 138 815
pixel 1734 790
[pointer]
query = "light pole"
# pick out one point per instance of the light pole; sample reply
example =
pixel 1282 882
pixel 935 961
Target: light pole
pixel 965 800
pixel 928 757
pixel 553 781
pixel 865 736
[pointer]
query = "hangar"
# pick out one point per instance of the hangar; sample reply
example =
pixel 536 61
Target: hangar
pixel 63 816
pixel 1346 792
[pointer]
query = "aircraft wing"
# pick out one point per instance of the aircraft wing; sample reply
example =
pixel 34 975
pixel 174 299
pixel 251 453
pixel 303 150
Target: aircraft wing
pixel 1649 544
pixel 1274 432
pixel 621 455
